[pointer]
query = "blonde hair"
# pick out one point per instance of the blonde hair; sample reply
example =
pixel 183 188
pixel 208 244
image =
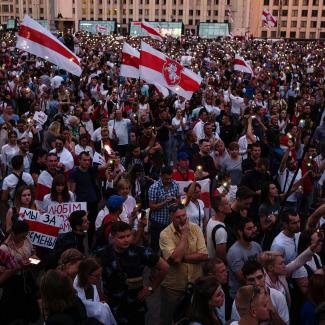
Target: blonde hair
pixel 267 258
pixel 55 127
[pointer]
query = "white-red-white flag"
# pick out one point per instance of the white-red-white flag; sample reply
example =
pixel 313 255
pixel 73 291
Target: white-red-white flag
pixel 229 14
pixel 268 20
pixel 241 65
pixel 130 62
pixel 158 67
pixel 151 31
pixel 130 67
pixel 35 39
pixel 101 28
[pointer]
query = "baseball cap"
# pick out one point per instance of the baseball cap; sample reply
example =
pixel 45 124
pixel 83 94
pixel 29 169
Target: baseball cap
pixel 182 156
pixel 115 201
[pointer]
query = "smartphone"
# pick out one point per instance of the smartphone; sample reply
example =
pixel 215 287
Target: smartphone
pixel 34 261
pixel 302 123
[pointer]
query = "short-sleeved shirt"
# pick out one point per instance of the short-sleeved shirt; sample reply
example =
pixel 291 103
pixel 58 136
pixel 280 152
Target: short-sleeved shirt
pixel 10 182
pixel 85 184
pixel 157 194
pixel 220 236
pixel 236 258
pixel 118 269
pixel 180 274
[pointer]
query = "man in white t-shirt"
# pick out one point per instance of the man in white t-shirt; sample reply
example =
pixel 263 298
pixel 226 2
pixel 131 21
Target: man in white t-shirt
pixel 216 228
pixel 120 126
pixel 236 102
pixel 97 136
pixel 286 242
pixel 254 275
pixel 66 162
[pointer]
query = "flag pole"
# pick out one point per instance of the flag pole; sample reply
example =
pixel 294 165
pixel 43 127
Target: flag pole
pixel 279 20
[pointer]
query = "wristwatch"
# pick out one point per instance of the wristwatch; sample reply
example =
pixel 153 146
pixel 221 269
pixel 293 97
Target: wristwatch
pixel 150 289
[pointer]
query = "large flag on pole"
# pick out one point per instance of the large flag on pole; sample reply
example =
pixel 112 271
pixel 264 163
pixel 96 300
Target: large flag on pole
pixel 229 14
pixel 157 67
pixel 151 31
pixel 241 65
pixel 35 39
pixel 268 20
pixel 130 67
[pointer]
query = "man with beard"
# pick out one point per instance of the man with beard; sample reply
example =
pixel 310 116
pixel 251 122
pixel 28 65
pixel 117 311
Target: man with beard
pixel 287 170
pixel 242 250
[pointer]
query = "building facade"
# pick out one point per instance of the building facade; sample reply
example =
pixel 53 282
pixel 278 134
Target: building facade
pixel 296 18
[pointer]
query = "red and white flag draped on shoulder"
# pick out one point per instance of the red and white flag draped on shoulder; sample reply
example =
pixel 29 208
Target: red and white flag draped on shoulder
pixel 241 65
pixel 35 39
pixel 158 67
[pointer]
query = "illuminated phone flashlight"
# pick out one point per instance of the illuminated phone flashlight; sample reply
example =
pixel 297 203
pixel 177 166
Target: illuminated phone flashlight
pixel 183 201
pixel 308 164
pixel 138 205
pixel 253 116
pixel 108 148
pixel 310 157
pixel 199 168
pixel 225 184
pixel 289 135
pixel 29 120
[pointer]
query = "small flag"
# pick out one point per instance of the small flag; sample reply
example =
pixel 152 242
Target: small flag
pixel 229 14
pixel 268 20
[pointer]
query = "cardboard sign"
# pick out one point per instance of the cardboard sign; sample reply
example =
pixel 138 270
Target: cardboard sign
pixel 40 117
pixel 62 211
pixel 43 228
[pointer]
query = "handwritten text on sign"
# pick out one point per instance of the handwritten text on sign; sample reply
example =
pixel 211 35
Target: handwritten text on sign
pixel 43 228
pixel 63 211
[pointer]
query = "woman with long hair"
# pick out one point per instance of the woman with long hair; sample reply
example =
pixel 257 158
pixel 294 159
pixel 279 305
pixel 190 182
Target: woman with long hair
pixel 24 198
pixel 59 192
pixel 207 296
pixel 38 163
pixel 19 297
pixel 60 304
pixel 85 283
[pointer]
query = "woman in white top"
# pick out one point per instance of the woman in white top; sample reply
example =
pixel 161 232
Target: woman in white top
pixel 59 192
pixel 179 124
pixel 89 275
pixel 83 145
pixel 9 150
pixel 195 206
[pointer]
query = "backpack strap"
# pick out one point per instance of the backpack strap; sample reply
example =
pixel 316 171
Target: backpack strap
pixel 213 233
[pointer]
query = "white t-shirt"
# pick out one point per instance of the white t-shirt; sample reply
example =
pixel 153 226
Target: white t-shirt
pixel 65 158
pixel 121 129
pixel 7 152
pixel 286 245
pixel 278 301
pixel 236 102
pixel 10 182
pixel 78 149
pixel 220 236
pixel 302 272
pixel 194 213
pixel 285 182
pixel 176 122
pixel 47 200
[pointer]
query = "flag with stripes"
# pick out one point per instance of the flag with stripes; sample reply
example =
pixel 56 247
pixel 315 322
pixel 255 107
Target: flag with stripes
pixel 151 31
pixel 268 20
pixel 229 14
pixel 241 65
pixel 35 39
pixel 158 67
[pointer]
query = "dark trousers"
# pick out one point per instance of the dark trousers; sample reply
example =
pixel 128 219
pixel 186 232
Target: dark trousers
pixel 155 229
pixel 92 208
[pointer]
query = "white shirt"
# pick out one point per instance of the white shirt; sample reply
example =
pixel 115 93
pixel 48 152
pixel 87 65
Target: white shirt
pixel 65 157
pixel 7 152
pixel 302 272
pixel 220 236
pixel 56 82
pixel 243 144
pixel 78 149
pixel 285 182
pixel 10 182
pixel 199 130
pixel 121 129
pixel 176 122
pixel 89 125
pixel 192 212
pixel 278 301
pixel 286 245
pixel 47 200
pixel 236 102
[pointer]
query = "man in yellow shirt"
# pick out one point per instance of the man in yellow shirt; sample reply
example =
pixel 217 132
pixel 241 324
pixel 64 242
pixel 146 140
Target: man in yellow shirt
pixel 183 247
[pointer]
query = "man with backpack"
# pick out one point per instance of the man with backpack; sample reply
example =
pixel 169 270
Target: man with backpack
pixel 14 180
pixel 217 233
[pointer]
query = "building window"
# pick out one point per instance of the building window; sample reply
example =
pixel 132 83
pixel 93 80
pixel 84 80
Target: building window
pixel 292 34
pixel 191 12
pixel 216 13
pixel 284 2
pixel 322 24
pixel 313 24
pixel 283 34
pixel 164 11
pixel 198 12
pixel 266 2
pixel 284 13
pixel 275 13
pixel 295 3
pixel 322 35
pixel 315 2
pixel 284 23
pixel 305 2
pixel 140 11
pixel 302 35
pixel 323 13
pixel 294 13
pixel 180 12
pixel 314 13
pixel 304 13
pixel 312 35
pixel 293 23
pixel 264 34
pixel 275 2
pixel 130 11
pixel 273 34
pixel 303 23
pixel 190 21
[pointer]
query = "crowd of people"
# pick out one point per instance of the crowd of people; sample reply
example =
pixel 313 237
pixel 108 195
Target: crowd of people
pixel 214 204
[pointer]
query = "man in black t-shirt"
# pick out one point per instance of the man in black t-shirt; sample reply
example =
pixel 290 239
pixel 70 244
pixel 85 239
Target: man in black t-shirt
pixel 123 266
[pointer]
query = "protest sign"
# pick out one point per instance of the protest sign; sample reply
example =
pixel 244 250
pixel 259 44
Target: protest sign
pixel 63 211
pixel 40 117
pixel 43 228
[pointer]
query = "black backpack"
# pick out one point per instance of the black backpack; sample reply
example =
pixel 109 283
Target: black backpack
pixel 20 182
pixel 231 237
pixel 180 314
